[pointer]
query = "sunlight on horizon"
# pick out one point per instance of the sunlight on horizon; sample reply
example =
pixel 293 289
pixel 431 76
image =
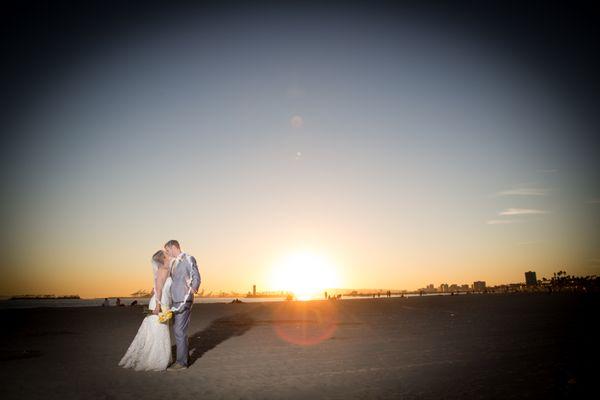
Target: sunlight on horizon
pixel 305 274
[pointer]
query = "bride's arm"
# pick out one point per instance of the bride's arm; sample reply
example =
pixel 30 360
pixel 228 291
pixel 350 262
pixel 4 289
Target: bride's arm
pixel 162 275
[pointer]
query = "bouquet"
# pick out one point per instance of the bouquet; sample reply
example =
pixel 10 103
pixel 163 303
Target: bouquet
pixel 163 316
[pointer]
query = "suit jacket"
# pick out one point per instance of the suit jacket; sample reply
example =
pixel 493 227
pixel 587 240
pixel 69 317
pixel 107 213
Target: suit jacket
pixel 185 274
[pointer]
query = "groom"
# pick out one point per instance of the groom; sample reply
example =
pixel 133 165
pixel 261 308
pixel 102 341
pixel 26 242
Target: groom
pixel 186 282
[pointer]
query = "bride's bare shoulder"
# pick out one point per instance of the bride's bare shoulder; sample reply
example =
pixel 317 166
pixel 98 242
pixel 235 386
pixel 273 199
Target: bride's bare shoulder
pixel 164 269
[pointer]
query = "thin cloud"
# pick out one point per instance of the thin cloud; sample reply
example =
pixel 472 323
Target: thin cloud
pixel 501 221
pixel 522 211
pixel 523 191
pixel 528 243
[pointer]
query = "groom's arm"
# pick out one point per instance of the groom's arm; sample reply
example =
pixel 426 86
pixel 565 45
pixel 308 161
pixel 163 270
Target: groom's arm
pixel 195 275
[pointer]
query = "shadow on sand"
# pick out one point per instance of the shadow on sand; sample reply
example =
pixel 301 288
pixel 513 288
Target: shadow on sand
pixel 217 332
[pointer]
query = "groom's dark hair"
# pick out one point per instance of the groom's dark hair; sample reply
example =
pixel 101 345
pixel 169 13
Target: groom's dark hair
pixel 173 243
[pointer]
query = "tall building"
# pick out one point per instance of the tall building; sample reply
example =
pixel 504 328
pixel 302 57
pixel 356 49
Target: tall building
pixel 530 278
pixel 253 290
pixel 444 287
pixel 479 286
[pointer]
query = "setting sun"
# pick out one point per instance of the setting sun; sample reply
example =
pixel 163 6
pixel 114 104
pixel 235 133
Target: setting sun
pixel 305 274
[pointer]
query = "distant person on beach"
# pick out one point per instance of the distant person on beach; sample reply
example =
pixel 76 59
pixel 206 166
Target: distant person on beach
pixel 134 303
pixel 105 303
pixel 119 304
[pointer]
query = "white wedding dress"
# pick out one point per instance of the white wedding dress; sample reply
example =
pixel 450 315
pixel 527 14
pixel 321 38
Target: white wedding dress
pixel 151 346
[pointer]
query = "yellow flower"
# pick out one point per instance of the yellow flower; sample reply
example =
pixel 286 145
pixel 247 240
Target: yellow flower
pixel 165 316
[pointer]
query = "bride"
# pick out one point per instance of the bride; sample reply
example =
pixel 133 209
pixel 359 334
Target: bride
pixel 151 346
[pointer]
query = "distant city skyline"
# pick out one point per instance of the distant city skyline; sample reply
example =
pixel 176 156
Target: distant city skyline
pixel 443 287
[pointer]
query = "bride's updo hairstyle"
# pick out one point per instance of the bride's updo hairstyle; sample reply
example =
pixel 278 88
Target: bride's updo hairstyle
pixel 159 257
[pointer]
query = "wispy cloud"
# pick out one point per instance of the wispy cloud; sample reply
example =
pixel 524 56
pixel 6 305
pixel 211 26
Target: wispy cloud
pixel 521 211
pixel 528 243
pixel 595 200
pixel 523 191
pixel 502 221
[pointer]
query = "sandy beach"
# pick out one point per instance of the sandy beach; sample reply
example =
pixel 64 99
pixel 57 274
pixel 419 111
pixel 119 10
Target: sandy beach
pixel 469 346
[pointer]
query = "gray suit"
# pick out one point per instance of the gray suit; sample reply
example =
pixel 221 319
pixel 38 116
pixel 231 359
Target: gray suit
pixel 183 272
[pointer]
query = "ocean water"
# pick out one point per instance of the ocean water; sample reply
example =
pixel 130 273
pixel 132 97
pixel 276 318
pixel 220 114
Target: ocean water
pixel 17 304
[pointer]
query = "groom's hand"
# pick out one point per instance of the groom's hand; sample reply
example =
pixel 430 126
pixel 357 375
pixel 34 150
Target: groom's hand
pixel 156 309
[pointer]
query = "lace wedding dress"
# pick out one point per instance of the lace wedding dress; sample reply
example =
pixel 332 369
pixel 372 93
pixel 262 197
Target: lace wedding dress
pixel 150 349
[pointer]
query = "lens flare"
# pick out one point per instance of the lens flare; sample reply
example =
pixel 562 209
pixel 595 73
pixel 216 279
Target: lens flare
pixel 305 323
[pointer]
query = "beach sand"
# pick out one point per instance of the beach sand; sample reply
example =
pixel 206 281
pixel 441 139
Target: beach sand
pixel 480 346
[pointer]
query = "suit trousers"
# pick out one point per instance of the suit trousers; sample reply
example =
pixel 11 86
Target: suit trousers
pixel 181 321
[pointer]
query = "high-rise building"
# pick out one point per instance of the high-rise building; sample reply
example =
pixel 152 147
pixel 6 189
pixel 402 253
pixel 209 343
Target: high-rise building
pixel 530 278
pixel 444 287
pixel 479 286
pixel 253 290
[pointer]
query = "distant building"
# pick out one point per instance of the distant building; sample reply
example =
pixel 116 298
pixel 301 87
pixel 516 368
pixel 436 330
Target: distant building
pixel 530 278
pixel 444 287
pixel 253 290
pixel 428 289
pixel 515 286
pixel 479 286
pixel 465 287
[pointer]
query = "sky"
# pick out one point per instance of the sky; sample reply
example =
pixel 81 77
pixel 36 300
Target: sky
pixel 402 145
